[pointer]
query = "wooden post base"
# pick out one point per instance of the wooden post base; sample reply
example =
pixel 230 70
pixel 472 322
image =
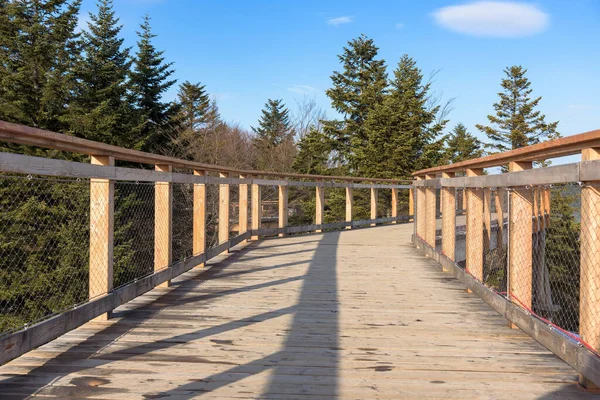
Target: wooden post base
pixel 588 385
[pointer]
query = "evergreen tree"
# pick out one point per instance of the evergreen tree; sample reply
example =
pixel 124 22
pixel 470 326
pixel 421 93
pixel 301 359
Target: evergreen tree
pixel 355 92
pixel 402 131
pixel 194 104
pixel 274 140
pixel 101 110
pixel 38 50
pixel 517 123
pixel 150 80
pixel 461 145
pixel 313 154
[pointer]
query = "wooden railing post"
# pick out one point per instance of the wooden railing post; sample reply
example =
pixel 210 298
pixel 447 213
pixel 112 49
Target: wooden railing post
pixel 199 223
pixel 448 205
pixel 430 213
pixel 223 209
pixel 589 292
pixel 395 204
pixel 474 236
pixel 320 204
pixel 349 204
pixel 520 229
pixel 163 220
pixel 283 208
pixel 102 217
pixel 374 196
pixel 420 212
pixel 256 210
pixel 243 203
pixel 411 204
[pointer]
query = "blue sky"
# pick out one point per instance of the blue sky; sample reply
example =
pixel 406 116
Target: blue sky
pixel 248 51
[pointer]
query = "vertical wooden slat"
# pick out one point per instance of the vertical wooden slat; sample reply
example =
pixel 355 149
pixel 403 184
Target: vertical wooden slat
pixel 319 204
pixel 374 196
pixel 474 235
pixel 349 204
pixel 395 204
pixel 448 219
pixel 520 228
pixel 411 204
pixel 420 212
pixel 102 217
pixel 243 203
pixel 223 209
pixel 283 208
pixel 589 293
pixel 256 209
pixel 199 223
pixel 430 213
pixel 163 221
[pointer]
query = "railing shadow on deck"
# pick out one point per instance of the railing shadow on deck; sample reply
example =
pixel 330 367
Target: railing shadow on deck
pixel 321 276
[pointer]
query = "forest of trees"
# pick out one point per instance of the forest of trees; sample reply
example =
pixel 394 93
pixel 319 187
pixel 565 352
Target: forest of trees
pixel 88 84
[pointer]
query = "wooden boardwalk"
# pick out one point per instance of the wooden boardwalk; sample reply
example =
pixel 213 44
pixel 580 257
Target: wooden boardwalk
pixel 354 314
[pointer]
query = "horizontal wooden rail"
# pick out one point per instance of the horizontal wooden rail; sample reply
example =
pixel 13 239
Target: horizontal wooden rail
pixel 21 134
pixel 566 146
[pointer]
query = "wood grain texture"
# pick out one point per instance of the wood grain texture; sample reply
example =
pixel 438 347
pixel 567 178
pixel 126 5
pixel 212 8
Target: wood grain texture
pixel 374 199
pixel 243 205
pixel 300 318
pixel 430 212
pixel 319 206
pixel 256 209
pixel 349 205
pixel 474 239
pixel 163 222
pixel 199 223
pixel 283 208
pixel 223 209
pixel 448 219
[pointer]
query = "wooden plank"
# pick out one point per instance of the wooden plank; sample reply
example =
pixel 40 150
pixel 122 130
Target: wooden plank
pixel 243 206
pixel 420 213
pixel 319 206
pixel 163 223
pixel 448 205
pixel 223 209
pixel 256 210
pixel 474 239
pixel 283 209
pixel 520 261
pixel 430 210
pixel 102 223
pixel 394 202
pixel 589 284
pixel 199 223
pixel 411 202
pixel 374 196
pixel 349 205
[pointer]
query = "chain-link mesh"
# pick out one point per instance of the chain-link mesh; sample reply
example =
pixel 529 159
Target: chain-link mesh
pixel 495 236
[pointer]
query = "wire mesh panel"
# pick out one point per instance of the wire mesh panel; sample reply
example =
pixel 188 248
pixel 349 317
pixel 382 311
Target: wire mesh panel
pixel 438 220
pixel 496 239
pixel 335 205
pixel 301 205
pixel 183 220
pixel 212 216
pixel 44 248
pixel 460 240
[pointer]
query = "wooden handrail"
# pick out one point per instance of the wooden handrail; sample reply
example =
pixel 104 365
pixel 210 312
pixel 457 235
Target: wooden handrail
pixel 566 146
pixel 21 134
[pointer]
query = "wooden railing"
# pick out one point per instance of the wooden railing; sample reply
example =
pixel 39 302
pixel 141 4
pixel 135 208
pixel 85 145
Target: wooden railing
pixel 102 175
pixel 524 227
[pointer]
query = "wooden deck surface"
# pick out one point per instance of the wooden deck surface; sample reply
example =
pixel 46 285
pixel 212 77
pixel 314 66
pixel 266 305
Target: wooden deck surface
pixel 351 315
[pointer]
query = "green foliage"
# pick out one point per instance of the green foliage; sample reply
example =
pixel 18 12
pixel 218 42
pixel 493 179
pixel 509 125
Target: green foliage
pixel 461 145
pixel 313 153
pixel 149 81
pixel 274 140
pixel 517 123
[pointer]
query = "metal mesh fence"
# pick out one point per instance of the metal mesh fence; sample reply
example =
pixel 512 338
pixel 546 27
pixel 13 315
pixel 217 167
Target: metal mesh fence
pixel 495 236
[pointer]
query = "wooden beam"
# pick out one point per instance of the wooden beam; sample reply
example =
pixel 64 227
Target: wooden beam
pixel 374 197
pixel 199 223
pixel 283 208
pixel 223 209
pixel 420 213
pixel 430 213
pixel 395 204
pixel 319 205
pixel 163 221
pixel 520 261
pixel 256 210
pixel 589 292
pixel 102 220
pixel 349 204
pixel 448 205
pixel 243 206
pixel 474 236
pixel 411 203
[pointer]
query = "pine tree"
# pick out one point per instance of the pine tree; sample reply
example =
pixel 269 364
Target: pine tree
pixel 461 145
pixel 355 92
pixel 517 123
pixel 149 81
pixel 274 140
pixel 101 110
pixel 38 50
pixel 314 150
pixel 194 104
pixel 402 131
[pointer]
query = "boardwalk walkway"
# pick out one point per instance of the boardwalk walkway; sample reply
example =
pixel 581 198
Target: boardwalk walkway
pixel 355 314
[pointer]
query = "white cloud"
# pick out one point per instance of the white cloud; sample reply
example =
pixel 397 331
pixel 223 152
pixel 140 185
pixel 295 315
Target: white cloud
pixel 399 26
pixel 340 20
pixel 493 18
pixel 303 89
